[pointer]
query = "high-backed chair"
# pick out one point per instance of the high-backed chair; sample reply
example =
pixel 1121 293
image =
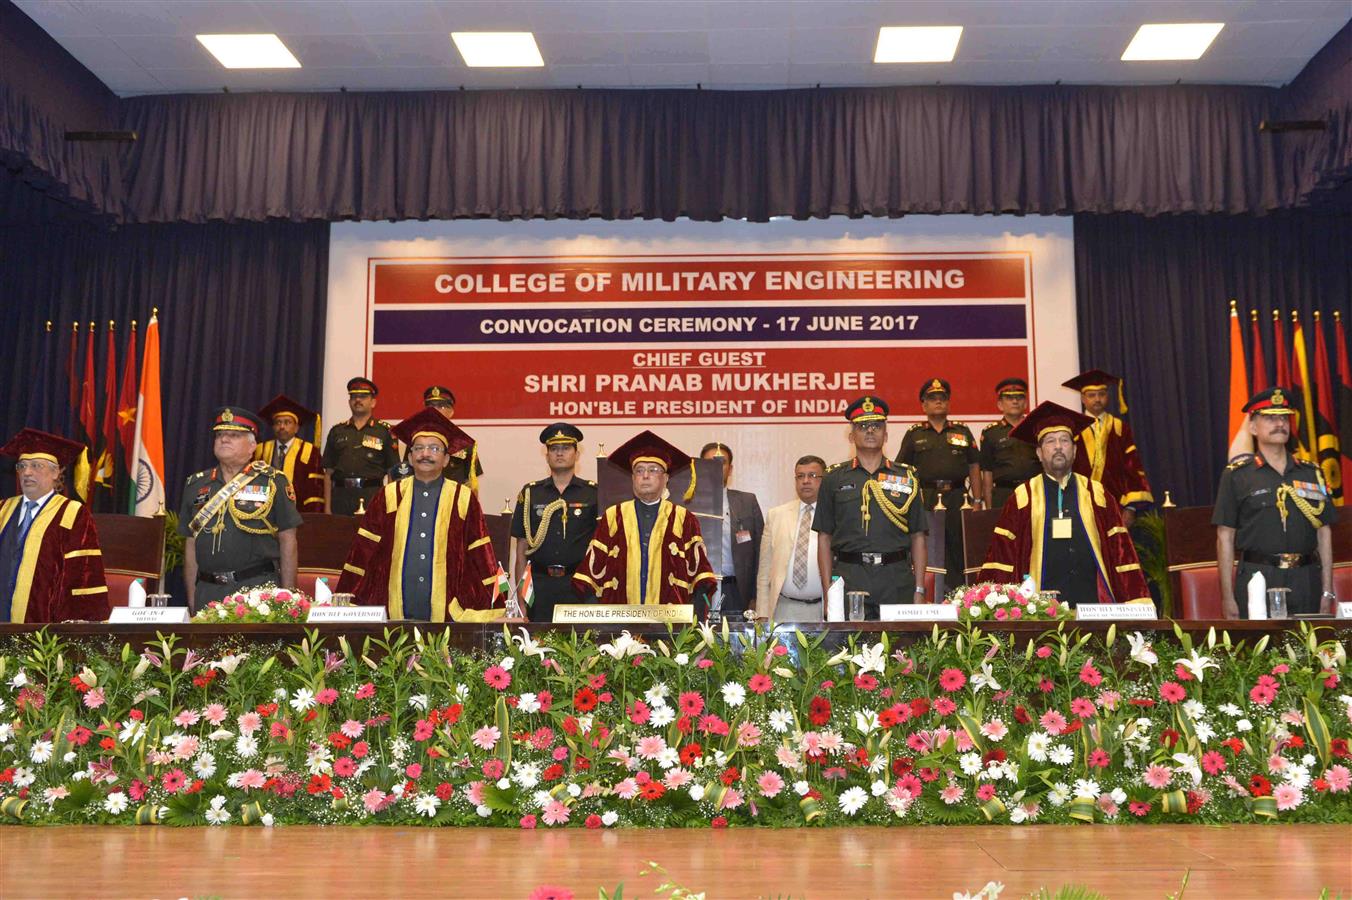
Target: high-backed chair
pixel 133 547
pixel 1190 551
pixel 323 543
pixel 978 525
pixel 500 532
pixel 1342 555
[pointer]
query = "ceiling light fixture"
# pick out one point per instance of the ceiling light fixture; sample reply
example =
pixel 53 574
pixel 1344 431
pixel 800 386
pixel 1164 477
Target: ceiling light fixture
pixel 249 51
pixel 498 49
pixel 1178 41
pixel 917 44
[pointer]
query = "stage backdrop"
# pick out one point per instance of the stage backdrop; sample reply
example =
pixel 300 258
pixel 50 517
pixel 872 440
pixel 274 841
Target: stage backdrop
pixel 756 335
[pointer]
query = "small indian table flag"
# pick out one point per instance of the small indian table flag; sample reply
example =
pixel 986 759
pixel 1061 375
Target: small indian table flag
pixel 525 590
pixel 502 588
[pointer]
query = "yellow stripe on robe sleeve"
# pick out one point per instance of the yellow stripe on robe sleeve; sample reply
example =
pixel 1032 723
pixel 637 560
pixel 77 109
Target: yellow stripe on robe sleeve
pixel 1005 533
pixel 369 535
pixel 80 592
pixel 1116 530
pixel 1000 567
pixel 77 553
pixel 355 570
pixel 479 543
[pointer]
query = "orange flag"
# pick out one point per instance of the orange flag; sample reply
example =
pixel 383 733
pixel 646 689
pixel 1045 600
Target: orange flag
pixel 1241 442
pixel 149 476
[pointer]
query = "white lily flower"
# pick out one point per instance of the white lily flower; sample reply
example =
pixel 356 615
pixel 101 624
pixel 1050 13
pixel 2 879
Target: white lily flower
pixel 1141 650
pixel 871 659
pixel 985 678
pixel 228 664
pixel 1197 664
pixel 1187 764
pixel 529 646
pixel 625 645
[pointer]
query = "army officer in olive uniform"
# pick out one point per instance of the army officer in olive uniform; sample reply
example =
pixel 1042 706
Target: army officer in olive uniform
pixel 870 518
pixel 239 517
pixel 945 458
pixel 1006 462
pixel 553 523
pixel 463 464
pixel 1274 513
pixel 358 452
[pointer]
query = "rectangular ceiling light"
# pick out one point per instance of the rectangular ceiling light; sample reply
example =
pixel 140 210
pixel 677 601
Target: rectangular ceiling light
pixel 920 44
pixel 498 49
pixel 1181 41
pixel 249 51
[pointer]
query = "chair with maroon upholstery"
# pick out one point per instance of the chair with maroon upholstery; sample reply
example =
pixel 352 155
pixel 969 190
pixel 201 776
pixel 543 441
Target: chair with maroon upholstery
pixel 1342 556
pixel 133 547
pixel 977 527
pixel 322 545
pixel 1190 551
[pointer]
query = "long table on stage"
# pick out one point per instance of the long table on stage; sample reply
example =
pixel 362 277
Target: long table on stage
pixel 488 636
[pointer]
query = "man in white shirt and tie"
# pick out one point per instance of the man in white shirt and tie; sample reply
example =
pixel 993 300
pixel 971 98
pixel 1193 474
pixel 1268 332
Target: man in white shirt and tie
pixel 788 582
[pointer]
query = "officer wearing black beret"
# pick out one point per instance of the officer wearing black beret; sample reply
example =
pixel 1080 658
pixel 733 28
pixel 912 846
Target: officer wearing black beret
pixel 870 518
pixel 553 522
pixel 1273 512
pixel 946 459
pixel 239 518
pixel 358 451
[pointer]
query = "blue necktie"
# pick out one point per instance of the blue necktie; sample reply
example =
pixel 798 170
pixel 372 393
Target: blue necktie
pixel 30 508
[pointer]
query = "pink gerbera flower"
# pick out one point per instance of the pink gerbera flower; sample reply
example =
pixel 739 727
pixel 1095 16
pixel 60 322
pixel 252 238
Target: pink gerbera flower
pixel 250 722
pixel 985 792
pixel 173 780
pixel 951 794
pixel 952 679
pixel 373 799
pixel 366 691
pixel 1082 707
pixel 497 677
pixel 1213 762
pixel 760 683
pixel 944 706
pixel 1053 722
pixel 1288 796
pixel 215 713
pixel 555 813
pixel 1099 759
pixel 352 728
pixel 691 703
pixel 326 697
pixel 343 767
pixel 770 784
pixel 1172 691
pixel 1339 779
pixel 1158 777
pixel 186 718
pixel 486 738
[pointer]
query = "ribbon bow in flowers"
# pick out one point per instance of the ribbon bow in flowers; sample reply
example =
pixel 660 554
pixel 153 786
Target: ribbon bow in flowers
pixel 870 659
pixel 626 645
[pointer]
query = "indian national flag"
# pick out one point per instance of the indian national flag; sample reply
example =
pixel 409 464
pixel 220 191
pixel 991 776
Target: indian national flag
pixel 525 591
pixel 149 445
pixel 503 587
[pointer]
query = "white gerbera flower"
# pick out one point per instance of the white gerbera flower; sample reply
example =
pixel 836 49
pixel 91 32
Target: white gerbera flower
pixel 303 699
pixel 1038 743
pixel 852 800
pixel 6 732
pixel 23 777
pixel 733 693
pixel 971 763
pixel 1087 787
pixel 427 804
pixel 40 752
pixel 116 802
pixel 781 720
pixel 662 716
pixel 204 766
pixel 528 703
pixel 246 746
pixel 1061 755
pixel 609 817
pixel 218 814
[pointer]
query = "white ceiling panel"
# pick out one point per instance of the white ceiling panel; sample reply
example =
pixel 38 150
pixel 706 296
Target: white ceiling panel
pixel 146 46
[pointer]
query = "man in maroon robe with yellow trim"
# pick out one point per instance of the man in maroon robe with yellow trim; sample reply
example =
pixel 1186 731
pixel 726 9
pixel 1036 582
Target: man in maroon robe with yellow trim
pixel 1106 448
pixel 647 550
pixel 422 549
pixel 295 457
pixel 51 567
pixel 1061 527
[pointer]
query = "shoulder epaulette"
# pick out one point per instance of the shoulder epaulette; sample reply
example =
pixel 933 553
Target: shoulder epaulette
pixel 197 475
pixel 590 483
pixel 261 468
pixel 383 423
pixel 989 426
pixel 916 425
pixel 1242 460
pixel 1305 462
pixel 834 466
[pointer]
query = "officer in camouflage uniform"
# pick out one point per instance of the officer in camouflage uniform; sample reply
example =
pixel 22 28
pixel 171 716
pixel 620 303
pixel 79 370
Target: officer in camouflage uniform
pixel 239 518
pixel 870 517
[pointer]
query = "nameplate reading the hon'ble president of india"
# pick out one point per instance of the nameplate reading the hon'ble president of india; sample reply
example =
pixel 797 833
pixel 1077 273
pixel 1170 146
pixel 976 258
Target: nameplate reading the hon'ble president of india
pixel 597 613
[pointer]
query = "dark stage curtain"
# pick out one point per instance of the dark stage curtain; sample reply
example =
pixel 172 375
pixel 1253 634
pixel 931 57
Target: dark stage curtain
pixel 242 312
pixel 706 154
pixel 1153 305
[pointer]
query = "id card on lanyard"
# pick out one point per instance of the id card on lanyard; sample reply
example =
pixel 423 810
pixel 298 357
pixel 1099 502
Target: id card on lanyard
pixel 1060 524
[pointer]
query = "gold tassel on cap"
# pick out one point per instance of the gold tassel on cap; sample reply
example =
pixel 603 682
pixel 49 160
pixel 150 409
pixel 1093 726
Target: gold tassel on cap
pixel 690 491
pixel 473 460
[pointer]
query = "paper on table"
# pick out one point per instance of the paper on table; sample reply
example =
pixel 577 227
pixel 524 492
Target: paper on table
pixel 835 600
pixel 136 593
pixel 1257 596
pixel 323 596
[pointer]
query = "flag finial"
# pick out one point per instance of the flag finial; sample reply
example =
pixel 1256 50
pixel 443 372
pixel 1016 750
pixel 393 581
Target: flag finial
pixel 1316 317
pixel 1253 315
pixel 74 327
pixel 1233 305
pixel 1295 315
pixel 49 325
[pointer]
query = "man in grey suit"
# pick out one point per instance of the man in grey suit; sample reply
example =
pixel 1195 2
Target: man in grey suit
pixel 743 525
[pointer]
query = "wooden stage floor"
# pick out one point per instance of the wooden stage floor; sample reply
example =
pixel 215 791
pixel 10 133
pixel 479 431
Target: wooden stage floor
pixel 1278 861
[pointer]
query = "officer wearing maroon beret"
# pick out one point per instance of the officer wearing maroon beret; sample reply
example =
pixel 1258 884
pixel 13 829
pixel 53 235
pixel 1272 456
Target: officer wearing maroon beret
pixel 1273 515
pixel 239 517
pixel 358 452
pixel 870 517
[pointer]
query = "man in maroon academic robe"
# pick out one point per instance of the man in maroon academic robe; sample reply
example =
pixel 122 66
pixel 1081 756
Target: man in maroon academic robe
pixel 51 567
pixel 423 550
pixel 1062 528
pixel 1105 447
pixel 647 550
pixel 290 454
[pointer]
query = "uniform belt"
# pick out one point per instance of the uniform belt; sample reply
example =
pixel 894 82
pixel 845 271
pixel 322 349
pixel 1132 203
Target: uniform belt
pixel 1281 560
pixel 796 600
pixel 558 572
pixel 237 575
pixel 873 559
pixel 358 482
pixel 939 485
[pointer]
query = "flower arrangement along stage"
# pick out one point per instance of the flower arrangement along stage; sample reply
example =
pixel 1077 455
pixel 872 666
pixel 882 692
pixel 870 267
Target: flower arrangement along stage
pixel 266 603
pixel 696 728
pixel 992 602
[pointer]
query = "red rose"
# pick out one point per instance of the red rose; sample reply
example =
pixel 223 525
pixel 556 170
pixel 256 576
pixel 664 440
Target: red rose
pixel 593 821
pixel 719 822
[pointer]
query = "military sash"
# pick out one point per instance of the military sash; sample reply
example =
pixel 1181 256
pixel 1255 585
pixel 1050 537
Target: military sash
pixel 213 507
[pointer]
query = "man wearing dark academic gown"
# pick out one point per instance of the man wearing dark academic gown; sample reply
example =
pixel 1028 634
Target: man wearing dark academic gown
pixel 51 567
pixel 1106 448
pixel 647 550
pixel 1063 528
pixel 287 452
pixel 422 550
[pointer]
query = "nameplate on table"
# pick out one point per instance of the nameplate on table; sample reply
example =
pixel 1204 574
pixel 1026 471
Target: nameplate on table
pixel 918 612
pixel 322 614
pixel 1345 610
pixel 1108 612
pixel 600 613
pixel 148 615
